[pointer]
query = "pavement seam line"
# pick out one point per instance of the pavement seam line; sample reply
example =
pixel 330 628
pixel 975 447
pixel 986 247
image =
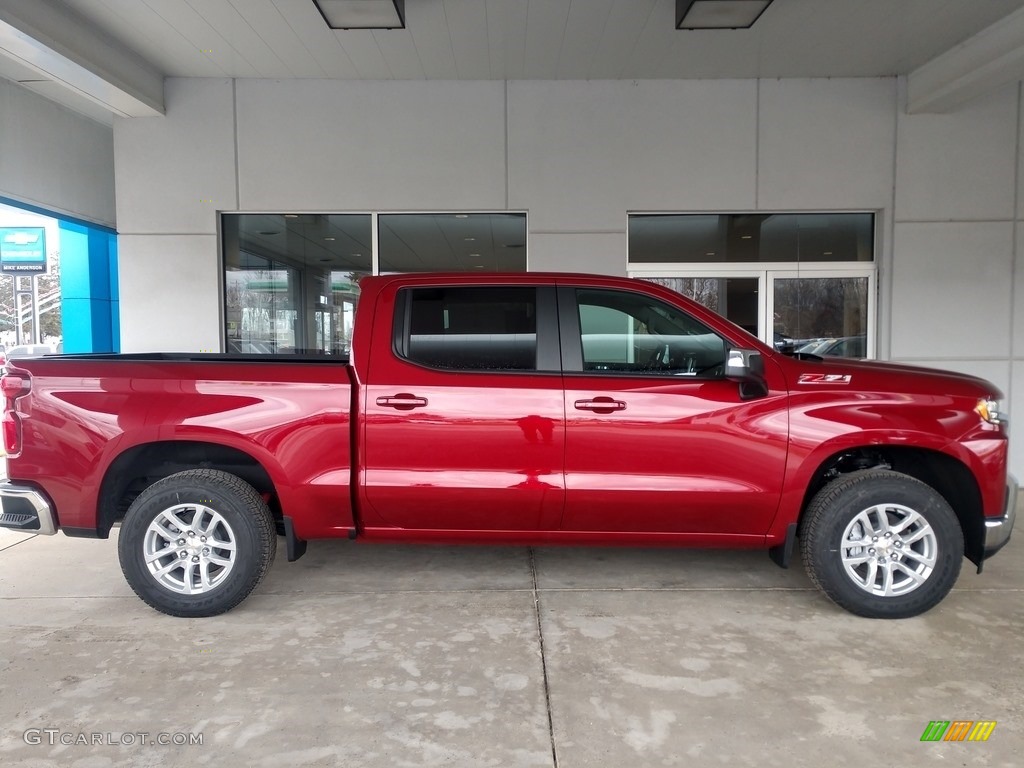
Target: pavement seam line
pixel 543 659
pixel 11 546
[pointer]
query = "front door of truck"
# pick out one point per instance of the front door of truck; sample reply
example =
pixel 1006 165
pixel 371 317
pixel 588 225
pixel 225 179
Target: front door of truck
pixel 464 414
pixel 657 440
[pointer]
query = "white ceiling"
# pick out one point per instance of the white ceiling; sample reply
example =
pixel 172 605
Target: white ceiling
pixel 539 39
pixel 523 39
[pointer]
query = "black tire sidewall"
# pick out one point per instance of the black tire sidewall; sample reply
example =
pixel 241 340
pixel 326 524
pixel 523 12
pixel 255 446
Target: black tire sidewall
pixel 220 494
pixel 830 522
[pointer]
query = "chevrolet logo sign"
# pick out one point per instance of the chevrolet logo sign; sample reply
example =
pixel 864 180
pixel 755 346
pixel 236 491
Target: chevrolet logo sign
pixel 20 238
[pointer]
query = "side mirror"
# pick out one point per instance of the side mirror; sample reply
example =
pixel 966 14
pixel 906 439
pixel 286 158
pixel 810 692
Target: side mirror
pixel 746 366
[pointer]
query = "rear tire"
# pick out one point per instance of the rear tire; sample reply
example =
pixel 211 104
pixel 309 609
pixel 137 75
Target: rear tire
pixel 882 544
pixel 197 543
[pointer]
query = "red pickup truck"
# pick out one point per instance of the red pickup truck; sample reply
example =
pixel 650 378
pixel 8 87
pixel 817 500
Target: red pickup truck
pixel 518 408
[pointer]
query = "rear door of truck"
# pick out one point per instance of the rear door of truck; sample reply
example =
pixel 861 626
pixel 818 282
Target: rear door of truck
pixel 464 410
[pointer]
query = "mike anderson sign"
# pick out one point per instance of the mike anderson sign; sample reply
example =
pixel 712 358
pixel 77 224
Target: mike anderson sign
pixel 22 250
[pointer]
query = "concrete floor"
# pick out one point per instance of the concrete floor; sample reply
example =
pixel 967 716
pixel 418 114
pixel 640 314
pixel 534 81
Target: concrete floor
pixel 368 655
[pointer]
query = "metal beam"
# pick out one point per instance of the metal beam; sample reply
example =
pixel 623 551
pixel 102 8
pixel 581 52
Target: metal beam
pixel 64 47
pixel 989 60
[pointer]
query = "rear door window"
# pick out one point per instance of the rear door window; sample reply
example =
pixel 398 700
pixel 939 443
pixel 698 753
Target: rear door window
pixel 471 328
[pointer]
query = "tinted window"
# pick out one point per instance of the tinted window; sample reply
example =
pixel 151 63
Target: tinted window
pixel 750 237
pixel 473 329
pixel 624 332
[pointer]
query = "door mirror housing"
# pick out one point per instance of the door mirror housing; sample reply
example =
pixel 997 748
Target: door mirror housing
pixel 746 367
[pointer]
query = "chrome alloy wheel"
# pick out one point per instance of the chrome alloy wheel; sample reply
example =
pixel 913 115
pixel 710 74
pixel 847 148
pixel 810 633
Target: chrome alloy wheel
pixel 189 549
pixel 889 550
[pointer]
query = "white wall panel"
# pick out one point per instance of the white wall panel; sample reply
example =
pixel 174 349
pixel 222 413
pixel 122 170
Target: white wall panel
pixel 951 290
pixel 337 145
pixel 175 172
pixel 1017 329
pixel 826 144
pixel 603 253
pixel 1016 403
pixel 583 153
pixel 55 158
pixel 170 295
pixel 959 166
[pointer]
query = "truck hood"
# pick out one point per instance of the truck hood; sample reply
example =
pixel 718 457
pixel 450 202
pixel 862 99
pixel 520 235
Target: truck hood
pixel 885 377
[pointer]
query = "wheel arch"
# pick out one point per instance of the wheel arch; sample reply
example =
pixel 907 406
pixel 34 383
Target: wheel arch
pixel 138 467
pixel 949 476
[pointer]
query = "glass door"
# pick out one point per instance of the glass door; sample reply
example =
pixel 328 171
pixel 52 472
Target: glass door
pixel 826 314
pixel 823 312
pixel 738 297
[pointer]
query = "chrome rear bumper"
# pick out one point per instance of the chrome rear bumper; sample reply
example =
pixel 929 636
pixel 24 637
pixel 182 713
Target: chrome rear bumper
pixel 24 509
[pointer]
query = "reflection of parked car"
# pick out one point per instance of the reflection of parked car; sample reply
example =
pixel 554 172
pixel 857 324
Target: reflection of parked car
pixel 784 343
pixel 846 346
pixel 23 351
pixel 29 350
pixel 244 347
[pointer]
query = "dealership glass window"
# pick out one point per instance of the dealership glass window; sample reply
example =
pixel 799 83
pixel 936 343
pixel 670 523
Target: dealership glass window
pixel 793 280
pixel 452 242
pixel 737 238
pixel 291 281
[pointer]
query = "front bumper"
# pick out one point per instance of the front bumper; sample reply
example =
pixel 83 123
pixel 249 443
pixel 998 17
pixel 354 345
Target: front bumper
pixel 998 529
pixel 24 509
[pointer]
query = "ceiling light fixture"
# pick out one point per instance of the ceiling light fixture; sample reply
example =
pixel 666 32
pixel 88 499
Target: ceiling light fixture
pixel 291 215
pixel 719 14
pixel 329 239
pixel 362 14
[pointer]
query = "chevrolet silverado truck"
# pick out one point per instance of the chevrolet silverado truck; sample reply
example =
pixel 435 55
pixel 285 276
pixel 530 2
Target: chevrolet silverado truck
pixel 528 409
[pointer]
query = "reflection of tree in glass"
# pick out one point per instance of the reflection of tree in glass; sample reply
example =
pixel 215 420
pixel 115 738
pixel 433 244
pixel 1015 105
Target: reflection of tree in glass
pixel 821 307
pixel 703 290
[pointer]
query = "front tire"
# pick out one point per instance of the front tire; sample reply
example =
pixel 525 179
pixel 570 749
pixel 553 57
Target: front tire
pixel 882 544
pixel 197 543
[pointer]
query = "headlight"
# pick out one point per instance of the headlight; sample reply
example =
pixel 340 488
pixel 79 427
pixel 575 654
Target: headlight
pixel 988 409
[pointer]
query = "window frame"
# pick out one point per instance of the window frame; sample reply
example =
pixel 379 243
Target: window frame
pixel 768 271
pixel 547 360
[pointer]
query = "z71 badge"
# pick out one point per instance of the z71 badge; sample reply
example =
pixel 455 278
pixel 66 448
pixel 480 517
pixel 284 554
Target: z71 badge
pixel 825 378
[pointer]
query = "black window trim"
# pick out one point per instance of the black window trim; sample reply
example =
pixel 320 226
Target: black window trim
pixel 548 355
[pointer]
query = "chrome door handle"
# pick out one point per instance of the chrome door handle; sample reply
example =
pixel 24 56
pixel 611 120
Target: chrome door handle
pixel 600 405
pixel 402 401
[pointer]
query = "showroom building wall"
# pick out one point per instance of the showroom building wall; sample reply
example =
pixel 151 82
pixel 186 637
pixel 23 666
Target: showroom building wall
pixel 54 158
pixel 578 155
